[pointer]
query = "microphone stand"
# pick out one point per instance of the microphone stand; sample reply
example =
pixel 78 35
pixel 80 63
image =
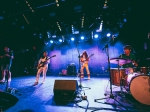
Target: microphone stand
pixel 7 73
pixel 106 47
pixel 80 85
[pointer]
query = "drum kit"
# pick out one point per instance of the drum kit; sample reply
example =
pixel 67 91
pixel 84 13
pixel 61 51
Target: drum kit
pixel 135 80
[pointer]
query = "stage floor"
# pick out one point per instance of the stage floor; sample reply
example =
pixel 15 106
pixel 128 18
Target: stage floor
pixel 40 98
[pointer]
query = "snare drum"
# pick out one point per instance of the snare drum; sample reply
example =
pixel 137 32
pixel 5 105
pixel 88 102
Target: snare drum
pixel 129 70
pixel 140 88
pixel 115 78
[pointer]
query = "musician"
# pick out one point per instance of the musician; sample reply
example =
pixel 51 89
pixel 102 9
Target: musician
pixel 128 55
pixel 42 67
pixel 6 64
pixel 84 64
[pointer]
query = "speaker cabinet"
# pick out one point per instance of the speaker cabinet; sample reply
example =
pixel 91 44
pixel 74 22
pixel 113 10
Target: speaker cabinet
pixel 65 90
pixel 71 69
pixel 7 100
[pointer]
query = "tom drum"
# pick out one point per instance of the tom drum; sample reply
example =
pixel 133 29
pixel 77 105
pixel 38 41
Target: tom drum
pixel 115 78
pixel 144 70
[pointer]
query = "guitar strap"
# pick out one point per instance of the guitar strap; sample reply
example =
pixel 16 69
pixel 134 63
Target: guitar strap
pixel 46 57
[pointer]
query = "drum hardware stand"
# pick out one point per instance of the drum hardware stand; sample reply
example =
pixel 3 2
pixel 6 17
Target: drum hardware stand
pixel 7 89
pixel 110 78
pixel 120 78
pixel 79 72
pixel 7 73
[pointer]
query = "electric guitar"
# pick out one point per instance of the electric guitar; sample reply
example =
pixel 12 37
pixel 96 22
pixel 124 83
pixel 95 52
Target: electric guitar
pixel 43 63
pixel 86 60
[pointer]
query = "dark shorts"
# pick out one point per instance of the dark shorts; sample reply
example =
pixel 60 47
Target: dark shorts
pixel 5 67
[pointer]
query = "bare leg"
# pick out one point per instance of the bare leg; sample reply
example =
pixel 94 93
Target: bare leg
pixel 3 74
pixel 9 76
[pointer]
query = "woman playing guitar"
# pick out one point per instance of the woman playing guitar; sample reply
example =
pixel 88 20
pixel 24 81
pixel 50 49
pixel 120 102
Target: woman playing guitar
pixel 84 59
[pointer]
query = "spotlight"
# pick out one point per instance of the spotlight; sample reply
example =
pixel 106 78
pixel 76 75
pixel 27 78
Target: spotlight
pixel 82 37
pixel 51 41
pixel 125 20
pixel 60 40
pixel 108 34
pixel 72 39
pixel 95 36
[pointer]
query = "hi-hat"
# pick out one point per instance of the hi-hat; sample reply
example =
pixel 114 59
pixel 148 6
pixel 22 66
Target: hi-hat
pixel 120 60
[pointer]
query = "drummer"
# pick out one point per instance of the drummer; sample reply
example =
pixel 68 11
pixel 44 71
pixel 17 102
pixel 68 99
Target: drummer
pixel 128 55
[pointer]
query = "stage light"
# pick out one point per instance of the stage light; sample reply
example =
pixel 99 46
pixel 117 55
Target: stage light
pixel 60 40
pixel 108 34
pixel 72 39
pixel 40 36
pixel 51 41
pixel 125 20
pixel 95 36
pixel 82 37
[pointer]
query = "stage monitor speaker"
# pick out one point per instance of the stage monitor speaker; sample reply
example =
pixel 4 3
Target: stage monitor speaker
pixel 7 100
pixel 65 91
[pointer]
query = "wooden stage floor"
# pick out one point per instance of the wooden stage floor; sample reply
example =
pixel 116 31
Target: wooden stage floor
pixel 40 98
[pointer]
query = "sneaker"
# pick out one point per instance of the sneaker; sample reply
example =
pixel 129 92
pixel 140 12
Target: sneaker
pixel 2 81
pixel 9 80
pixel 36 83
pixel 89 78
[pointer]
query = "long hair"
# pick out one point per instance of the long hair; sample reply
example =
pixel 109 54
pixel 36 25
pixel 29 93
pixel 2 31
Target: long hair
pixel 85 54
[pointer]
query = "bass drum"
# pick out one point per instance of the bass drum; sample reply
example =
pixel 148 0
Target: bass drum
pixel 140 88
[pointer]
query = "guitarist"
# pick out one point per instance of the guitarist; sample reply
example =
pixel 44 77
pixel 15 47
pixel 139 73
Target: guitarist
pixel 42 67
pixel 6 63
pixel 84 60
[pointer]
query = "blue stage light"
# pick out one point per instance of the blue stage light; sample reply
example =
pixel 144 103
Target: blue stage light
pixel 82 37
pixel 60 40
pixel 108 34
pixel 72 39
pixel 51 41
pixel 95 36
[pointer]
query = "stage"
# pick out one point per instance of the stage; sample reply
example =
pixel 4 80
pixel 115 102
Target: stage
pixel 40 98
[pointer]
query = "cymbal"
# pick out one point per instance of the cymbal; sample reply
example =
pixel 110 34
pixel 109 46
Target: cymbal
pixel 120 60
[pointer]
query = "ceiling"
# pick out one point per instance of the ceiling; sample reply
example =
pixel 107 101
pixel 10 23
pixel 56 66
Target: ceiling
pixel 28 22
